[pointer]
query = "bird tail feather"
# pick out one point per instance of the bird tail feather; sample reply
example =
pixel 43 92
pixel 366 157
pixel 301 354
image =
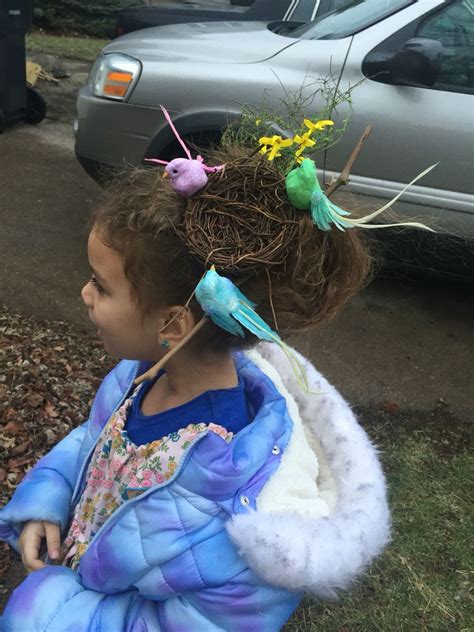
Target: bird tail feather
pixel 325 212
pixel 252 321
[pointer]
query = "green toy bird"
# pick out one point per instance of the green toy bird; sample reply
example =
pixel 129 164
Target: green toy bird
pixel 301 184
pixel 305 193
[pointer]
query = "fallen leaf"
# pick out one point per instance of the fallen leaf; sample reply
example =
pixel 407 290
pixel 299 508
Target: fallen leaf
pixel 15 463
pixel 390 407
pixel 11 427
pixel 6 442
pixel 35 399
pixel 22 447
pixel 50 410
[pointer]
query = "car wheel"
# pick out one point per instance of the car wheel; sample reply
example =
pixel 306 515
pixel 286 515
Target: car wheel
pixel 199 143
pixel 35 107
pixel 2 122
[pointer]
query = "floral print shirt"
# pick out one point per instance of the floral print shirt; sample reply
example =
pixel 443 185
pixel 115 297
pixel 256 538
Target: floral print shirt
pixel 119 470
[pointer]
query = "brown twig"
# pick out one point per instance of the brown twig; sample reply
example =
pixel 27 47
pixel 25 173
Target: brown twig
pixel 343 177
pixel 271 298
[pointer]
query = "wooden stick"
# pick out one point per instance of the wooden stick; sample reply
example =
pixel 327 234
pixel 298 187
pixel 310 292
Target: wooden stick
pixel 343 177
pixel 153 371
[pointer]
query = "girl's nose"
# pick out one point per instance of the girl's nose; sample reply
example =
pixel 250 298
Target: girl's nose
pixel 86 294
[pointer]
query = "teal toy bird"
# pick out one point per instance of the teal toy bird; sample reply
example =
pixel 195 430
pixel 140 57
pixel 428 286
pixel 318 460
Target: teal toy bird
pixel 305 193
pixel 228 308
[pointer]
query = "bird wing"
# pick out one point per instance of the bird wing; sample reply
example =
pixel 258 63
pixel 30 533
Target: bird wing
pixel 249 318
pixel 242 298
pixel 227 323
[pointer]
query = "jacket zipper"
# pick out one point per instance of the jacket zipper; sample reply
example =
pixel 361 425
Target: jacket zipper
pixel 184 459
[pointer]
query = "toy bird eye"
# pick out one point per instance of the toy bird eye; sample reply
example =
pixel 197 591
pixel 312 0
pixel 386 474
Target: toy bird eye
pixel 175 171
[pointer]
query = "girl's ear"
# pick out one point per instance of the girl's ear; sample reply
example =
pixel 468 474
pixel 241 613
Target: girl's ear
pixel 178 322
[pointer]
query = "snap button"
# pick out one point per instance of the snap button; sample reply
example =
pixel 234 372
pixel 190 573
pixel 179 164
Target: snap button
pixel 276 450
pixel 244 501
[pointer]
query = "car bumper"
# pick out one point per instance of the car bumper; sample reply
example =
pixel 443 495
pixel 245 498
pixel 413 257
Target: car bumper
pixel 112 133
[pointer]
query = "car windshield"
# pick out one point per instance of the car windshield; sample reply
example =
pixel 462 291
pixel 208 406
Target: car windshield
pixel 349 19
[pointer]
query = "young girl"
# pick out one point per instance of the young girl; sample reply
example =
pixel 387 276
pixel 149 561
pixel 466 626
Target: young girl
pixel 216 491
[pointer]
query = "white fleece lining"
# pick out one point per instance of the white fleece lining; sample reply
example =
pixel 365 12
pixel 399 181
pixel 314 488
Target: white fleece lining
pixel 283 543
pixel 293 486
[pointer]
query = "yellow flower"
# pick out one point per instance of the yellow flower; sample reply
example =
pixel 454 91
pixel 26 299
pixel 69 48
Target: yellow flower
pixel 88 510
pixel 303 141
pixel 81 548
pixel 318 126
pixel 275 143
pixel 111 506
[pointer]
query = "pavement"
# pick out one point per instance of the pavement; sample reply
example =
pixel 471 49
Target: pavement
pixel 403 343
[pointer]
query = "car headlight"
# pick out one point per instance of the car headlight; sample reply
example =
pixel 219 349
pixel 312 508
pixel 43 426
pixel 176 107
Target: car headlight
pixel 113 76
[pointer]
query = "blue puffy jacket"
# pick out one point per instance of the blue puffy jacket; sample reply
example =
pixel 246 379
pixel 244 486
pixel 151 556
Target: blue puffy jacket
pixel 296 502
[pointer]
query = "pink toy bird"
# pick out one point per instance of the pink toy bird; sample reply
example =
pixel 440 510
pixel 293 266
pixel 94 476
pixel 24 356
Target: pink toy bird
pixel 186 174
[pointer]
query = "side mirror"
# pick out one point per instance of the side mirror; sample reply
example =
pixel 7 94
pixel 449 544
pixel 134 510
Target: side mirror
pixel 417 63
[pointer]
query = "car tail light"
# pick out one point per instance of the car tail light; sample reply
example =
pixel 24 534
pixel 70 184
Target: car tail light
pixel 114 76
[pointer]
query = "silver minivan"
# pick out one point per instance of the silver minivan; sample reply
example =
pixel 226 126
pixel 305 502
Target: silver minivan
pixel 412 60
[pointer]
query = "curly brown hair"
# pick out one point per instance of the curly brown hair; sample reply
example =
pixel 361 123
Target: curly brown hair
pixel 243 223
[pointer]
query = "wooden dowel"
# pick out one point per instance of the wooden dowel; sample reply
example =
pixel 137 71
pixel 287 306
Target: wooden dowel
pixel 153 371
pixel 343 177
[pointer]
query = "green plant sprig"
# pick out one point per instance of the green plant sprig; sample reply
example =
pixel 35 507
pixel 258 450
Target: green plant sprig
pixel 315 100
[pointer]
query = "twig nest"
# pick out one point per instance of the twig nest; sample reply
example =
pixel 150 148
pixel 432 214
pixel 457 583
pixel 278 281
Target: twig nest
pixel 234 235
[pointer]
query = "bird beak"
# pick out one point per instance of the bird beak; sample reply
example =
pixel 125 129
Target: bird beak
pixel 165 174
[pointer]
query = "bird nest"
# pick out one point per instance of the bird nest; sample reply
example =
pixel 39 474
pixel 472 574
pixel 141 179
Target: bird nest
pixel 242 219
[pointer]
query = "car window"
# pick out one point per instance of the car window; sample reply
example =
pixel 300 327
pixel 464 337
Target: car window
pixel 307 10
pixel 304 10
pixel 453 26
pixel 350 18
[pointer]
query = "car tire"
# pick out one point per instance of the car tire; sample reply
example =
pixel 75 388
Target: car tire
pixel 2 122
pixel 198 143
pixel 35 107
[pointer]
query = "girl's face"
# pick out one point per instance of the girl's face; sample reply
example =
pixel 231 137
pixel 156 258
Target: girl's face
pixel 124 330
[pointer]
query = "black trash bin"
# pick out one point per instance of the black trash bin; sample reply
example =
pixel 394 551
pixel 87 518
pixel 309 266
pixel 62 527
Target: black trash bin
pixel 18 102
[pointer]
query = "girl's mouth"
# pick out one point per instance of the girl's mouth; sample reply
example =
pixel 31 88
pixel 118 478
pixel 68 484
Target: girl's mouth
pixel 98 332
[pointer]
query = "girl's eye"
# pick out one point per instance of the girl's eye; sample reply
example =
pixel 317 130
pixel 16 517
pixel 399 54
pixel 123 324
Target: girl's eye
pixel 96 284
